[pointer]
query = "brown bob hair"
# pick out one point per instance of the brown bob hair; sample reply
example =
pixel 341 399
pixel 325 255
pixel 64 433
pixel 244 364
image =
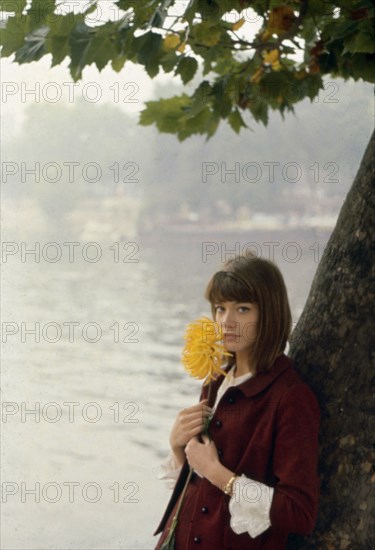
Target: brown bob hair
pixel 255 280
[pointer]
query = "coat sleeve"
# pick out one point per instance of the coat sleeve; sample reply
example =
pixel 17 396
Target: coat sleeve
pixel 295 500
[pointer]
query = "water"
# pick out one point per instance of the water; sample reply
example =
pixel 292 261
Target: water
pixel 105 407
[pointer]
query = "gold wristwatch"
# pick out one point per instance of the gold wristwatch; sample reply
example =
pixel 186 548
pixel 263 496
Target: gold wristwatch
pixel 228 488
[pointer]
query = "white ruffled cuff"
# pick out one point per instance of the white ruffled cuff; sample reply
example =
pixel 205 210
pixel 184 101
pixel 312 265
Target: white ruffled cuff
pixel 250 506
pixel 169 470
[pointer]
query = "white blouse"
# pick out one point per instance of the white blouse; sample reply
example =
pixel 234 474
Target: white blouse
pixel 251 501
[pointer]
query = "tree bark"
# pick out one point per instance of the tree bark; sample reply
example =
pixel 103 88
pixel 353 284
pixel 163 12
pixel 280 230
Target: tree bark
pixel 332 349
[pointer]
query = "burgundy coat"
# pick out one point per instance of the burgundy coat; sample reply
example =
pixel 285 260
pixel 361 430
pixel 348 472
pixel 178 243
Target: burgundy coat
pixel 267 429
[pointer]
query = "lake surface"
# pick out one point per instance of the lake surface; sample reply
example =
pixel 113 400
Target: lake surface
pixel 105 379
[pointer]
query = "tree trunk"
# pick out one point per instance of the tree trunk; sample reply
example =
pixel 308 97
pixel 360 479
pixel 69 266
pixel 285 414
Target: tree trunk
pixel 331 346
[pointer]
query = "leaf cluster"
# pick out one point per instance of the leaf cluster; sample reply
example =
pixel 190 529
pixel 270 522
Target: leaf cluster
pixel 246 57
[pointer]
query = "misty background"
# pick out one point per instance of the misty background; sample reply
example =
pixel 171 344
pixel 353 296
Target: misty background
pixel 127 225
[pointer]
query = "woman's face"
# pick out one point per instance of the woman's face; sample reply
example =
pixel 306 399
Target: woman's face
pixel 239 322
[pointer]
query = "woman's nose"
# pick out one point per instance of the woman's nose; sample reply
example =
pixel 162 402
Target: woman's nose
pixel 228 320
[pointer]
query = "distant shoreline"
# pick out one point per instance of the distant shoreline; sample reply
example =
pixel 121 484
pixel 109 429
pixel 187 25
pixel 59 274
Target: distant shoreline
pixel 207 230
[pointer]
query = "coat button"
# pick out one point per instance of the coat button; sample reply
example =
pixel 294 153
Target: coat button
pixel 204 510
pixel 196 540
pixel 219 423
pixel 231 400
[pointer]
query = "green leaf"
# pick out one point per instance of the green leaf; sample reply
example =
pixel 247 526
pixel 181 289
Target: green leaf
pixel 212 125
pixel 169 60
pixel 206 34
pixel 66 36
pixel 118 63
pixel 187 68
pixel 57 42
pixel 189 14
pixel 359 43
pixel 287 49
pixel 222 103
pixel 40 8
pixel 328 63
pixel 165 113
pixel 259 110
pixel 338 30
pixel 363 66
pixel 16 6
pixel 13 36
pixel 143 10
pixel 214 54
pixel 34 46
pixel 123 38
pixel 236 121
pixel 210 10
pixel 59 47
pixel 41 13
pixel 149 51
pixel 125 4
pixel 200 99
pixel 79 43
pixel 101 48
pixel 200 124
pixel 177 115
pixel 313 84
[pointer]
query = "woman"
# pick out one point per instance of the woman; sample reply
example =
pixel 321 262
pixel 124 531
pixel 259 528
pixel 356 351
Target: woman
pixel 256 480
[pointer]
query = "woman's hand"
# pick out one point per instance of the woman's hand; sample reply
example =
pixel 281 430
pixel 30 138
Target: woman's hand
pixel 202 457
pixel 189 423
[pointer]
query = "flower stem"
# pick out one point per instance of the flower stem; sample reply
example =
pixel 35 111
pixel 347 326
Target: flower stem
pixel 208 419
pixel 209 393
pixel 169 541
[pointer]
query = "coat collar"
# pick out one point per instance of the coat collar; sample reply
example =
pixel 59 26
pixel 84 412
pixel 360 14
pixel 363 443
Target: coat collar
pixel 254 385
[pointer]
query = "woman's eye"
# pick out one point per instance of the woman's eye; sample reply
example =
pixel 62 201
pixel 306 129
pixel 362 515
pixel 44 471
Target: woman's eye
pixel 244 309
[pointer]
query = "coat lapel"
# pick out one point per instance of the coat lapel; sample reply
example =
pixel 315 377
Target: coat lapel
pixel 261 381
pixel 254 385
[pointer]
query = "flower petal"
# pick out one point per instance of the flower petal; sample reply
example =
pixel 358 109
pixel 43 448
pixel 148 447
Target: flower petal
pixel 203 353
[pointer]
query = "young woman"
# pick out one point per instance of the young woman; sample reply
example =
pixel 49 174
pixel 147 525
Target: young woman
pixel 256 480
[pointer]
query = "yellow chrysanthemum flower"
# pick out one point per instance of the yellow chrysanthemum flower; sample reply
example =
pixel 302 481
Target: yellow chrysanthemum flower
pixel 203 355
